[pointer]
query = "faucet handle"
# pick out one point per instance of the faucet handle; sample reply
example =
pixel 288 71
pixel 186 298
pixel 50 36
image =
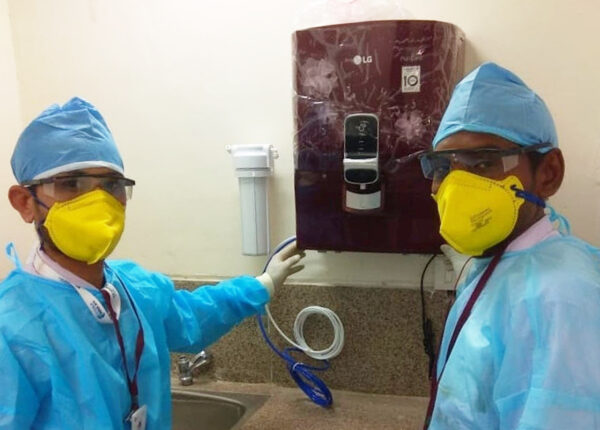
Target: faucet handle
pixel 203 357
pixel 186 366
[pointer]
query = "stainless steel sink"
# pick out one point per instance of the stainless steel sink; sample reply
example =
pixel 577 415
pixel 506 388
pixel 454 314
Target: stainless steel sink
pixel 213 411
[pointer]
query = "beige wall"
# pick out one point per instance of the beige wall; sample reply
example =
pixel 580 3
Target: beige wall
pixel 177 81
pixel 10 124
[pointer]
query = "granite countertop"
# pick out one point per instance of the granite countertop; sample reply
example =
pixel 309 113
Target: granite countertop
pixel 288 408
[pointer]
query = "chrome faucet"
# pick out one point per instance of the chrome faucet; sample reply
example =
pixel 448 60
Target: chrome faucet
pixel 186 367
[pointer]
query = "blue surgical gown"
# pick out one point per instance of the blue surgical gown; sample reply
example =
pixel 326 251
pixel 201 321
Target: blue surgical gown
pixel 528 357
pixel 62 369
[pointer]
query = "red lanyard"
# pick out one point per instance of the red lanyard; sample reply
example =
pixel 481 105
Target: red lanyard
pixel 139 346
pixel 435 381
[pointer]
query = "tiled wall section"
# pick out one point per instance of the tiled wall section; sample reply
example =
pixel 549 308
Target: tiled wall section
pixel 383 350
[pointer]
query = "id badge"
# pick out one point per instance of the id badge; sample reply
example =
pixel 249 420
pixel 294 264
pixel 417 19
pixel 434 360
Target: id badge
pixel 138 418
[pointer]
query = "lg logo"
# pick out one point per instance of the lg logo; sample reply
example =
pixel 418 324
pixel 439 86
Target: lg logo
pixel 358 59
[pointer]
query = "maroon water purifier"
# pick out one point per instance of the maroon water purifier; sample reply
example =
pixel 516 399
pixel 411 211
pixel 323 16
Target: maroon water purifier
pixel 368 95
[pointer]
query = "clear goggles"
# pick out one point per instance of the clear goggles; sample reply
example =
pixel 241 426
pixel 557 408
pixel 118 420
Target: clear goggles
pixel 63 188
pixel 488 162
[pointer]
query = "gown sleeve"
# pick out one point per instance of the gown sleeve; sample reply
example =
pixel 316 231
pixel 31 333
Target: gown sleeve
pixel 196 319
pixel 192 320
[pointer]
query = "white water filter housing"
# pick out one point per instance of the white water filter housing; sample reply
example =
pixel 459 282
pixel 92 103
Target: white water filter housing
pixel 253 164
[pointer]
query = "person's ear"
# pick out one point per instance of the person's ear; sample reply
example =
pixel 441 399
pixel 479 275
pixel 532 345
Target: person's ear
pixel 549 174
pixel 21 199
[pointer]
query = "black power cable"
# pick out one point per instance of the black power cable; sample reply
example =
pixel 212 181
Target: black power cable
pixel 428 338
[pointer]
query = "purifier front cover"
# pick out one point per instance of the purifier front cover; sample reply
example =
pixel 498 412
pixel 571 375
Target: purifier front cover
pixel 393 79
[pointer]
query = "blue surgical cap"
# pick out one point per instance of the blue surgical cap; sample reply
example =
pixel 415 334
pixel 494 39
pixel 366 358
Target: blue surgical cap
pixel 494 100
pixel 63 139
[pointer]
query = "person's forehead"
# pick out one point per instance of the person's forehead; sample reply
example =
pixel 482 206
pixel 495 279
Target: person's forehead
pixel 91 171
pixel 472 140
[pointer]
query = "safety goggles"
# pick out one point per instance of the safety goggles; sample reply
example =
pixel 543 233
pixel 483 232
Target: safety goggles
pixel 63 188
pixel 488 162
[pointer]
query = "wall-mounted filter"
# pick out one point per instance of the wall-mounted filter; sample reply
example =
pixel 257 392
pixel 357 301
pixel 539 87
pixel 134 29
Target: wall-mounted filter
pixel 253 164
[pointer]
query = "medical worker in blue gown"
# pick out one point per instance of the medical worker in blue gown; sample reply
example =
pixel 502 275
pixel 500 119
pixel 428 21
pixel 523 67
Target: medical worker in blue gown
pixel 521 345
pixel 85 341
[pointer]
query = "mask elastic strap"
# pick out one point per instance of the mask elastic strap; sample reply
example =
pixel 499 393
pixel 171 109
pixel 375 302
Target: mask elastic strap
pixel 11 252
pixel 38 226
pixel 35 198
pixel 563 224
pixel 532 198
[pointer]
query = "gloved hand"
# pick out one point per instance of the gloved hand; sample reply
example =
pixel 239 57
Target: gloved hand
pixel 282 265
pixel 457 259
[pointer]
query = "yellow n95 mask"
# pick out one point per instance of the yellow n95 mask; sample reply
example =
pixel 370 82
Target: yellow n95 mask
pixel 476 212
pixel 88 227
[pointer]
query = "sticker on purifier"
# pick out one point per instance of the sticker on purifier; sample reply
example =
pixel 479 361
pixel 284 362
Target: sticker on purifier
pixel 411 79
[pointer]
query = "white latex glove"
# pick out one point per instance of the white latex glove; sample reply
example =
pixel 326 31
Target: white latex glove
pixel 457 259
pixel 282 265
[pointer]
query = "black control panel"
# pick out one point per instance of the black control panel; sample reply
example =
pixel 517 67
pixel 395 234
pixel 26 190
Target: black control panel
pixel 361 133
